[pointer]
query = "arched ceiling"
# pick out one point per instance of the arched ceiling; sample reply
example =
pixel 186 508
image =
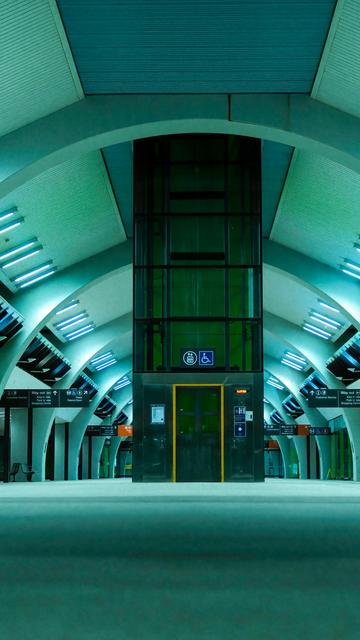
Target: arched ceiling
pixel 57 53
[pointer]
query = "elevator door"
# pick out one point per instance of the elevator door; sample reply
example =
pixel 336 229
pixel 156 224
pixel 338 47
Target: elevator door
pixel 198 434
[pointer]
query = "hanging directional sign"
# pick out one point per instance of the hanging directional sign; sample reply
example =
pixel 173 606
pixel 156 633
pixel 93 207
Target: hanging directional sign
pixel 44 398
pixel 323 398
pixel 272 430
pixel 319 431
pixel 101 430
pixel 197 358
pixel 349 398
pixel 334 398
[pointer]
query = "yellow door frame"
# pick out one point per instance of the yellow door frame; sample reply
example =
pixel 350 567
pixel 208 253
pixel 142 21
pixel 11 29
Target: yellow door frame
pixel 222 423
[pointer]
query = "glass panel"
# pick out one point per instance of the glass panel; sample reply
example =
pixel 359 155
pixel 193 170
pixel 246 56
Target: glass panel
pixel 197 149
pixel 193 206
pixel 186 424
pixel 195 177
pixel 197 292
pixel 186 401
pixel 197 234
pixel 210 424
pixel 199 334
pixel 149 293
pixel 209 401
pixel 244 240
pixel 245 346
pixel 244 293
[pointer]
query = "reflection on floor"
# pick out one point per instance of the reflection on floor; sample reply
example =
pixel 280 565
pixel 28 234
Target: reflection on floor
pixel 109 559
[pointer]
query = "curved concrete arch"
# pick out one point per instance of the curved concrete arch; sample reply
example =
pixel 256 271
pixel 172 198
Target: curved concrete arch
pixel 329 283
pixel 80 422
pixel 100 121
pixel 99 442
pixel 317 351
pixel 38 305
pixel 79 353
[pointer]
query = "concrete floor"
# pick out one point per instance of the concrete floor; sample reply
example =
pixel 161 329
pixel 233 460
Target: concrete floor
pixel 107 559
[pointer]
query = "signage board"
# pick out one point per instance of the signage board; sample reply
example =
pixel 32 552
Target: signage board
pixel 323 398
pixel 319 431
pixel 157 412
pixel 44 398
pixel 101 430
pixel 125 430
pixel 15 398
pixel 197 358
pixel 334 398
pixel 288 430
pixel 73 398
pixel 271 430
pixel 349 398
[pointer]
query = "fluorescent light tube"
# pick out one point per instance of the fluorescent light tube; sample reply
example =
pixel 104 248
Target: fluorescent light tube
pixel 106 364
pixel 72 333
pixel 104 356
pixel 73 304
pixel 315 328
pixel 78 335
pixel 357 246
pixel 273 384
pixel 291 364
pixel 72 324
pixel 33 280
pixel 293 356
pixel 324 322
pixel 334 323
pixel 350 273
pixel 316 333
pixel 64 323
pixel 13 225
pixel 328 306
pixel 15 250
pixel 20 259
pixel 4 215
pixel 352 265
pixel 33 272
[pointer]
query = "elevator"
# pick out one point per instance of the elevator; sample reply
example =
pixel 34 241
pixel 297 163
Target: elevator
pixel 197 370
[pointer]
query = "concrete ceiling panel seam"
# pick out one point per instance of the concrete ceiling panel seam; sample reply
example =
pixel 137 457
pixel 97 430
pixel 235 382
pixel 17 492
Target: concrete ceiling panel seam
pixel 99 121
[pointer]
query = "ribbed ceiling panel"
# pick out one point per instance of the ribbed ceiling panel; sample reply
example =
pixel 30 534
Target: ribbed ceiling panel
pixel 141 46
pixel 338 81
pixel 36 69
pixel 70 209
pixel 319 210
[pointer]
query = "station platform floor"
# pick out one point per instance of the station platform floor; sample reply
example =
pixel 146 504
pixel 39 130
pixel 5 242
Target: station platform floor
pixel 115 560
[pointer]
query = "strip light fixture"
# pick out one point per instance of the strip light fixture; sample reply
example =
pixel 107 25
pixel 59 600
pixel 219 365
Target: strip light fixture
pixel 11 263
pixel 12 225
pixel 8 213
pixel 294 356
pixel 123 382
pixel 33 280
pixel 274 383
pixel 107 363
pixel 317 331
pixel 288 363
pixel 328 322
pixel 18 249
pixel 357 246
pixel 328 306
pixel 352 265
pixel 350 273
pixel 72 305
pixel 80 332
pixel 73 333
pixel 64 324
pixel 104 356
pixel 33 272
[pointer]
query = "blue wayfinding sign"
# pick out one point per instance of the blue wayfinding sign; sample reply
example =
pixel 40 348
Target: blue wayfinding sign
pixel 197 358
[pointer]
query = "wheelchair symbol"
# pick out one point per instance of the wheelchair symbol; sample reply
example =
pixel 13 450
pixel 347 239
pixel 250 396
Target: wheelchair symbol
pixel 206 358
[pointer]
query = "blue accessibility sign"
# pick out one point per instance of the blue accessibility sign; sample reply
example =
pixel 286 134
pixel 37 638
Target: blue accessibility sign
pixel 197 358
pixel 206 358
